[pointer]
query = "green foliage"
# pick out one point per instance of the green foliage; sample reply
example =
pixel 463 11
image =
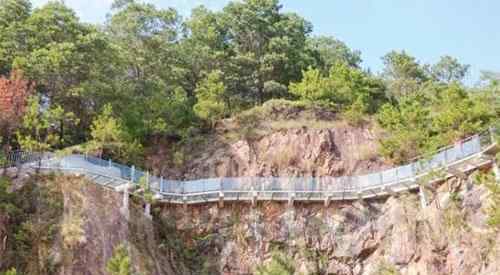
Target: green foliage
pixel 403 74
pixel 106 131
pixel 12 11
pixel 449 70
pixel 343 87
pixel 7 199
pixel 407 128
pixel 119 264
pixel 488 180
pixel 164 77
pixel 146 189
pixel 355 114
pixel 11 271
pixel 267 45
pixel 280 264
pixel 313 87
pixel 210 93
pixel 331 51
pixel 33 213
pixel 13 14
pixel 419 123
pixel 385 268
pixel 109 138
pixel 43 130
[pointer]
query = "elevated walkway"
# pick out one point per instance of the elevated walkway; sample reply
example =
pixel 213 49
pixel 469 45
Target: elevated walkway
pixel 457 160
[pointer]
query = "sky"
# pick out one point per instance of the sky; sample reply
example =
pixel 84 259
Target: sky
pixel 427 29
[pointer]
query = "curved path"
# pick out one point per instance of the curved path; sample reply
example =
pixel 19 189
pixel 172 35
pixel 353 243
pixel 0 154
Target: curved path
pixel 456 160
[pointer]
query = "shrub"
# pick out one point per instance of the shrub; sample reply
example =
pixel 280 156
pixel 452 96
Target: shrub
pixel 119 264
pixel 280 264
pixel 385 268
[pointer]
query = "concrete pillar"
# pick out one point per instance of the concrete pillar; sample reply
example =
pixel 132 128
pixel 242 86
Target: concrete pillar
pixel 291 199
pixel 221 199
pixel 125 205
pixel 328 199
pixel 423 197
pixel 254 199
pixel 147 211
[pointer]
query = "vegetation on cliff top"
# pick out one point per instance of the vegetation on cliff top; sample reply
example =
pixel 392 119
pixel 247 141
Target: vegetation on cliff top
pixel 148 73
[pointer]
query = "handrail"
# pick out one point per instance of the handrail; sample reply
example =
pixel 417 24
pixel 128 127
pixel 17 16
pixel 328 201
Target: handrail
pixel 402 177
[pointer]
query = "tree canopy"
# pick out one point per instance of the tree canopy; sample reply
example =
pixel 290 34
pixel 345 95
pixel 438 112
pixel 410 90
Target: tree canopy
pixel 148 72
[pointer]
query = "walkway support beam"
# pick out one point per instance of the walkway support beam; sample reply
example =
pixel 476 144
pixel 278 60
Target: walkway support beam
pixel 423 197
pixel 328 199
pixel 254 198
pixel 458 173
pixel 125 210
pixel 389 191
pixel 291 199
pixel 221 199
pixel 147 211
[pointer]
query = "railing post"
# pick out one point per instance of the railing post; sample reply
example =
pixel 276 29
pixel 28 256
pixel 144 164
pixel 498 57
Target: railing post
pixel 221 194
pixel 132 173
pixel 184 196
pixel 461 146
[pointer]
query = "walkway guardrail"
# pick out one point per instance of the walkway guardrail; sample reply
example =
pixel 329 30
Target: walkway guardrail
pixel 275 188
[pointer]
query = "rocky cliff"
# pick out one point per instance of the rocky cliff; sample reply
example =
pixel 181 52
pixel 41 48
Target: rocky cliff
pixel 276 139
pixel 388 236
pixel 392 235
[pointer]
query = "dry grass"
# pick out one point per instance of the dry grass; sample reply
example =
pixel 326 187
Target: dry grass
pixel 367 152
pixel 72 231
pixel 304 122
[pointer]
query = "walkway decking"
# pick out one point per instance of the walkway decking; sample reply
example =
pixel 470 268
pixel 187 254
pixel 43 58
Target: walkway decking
pixel 457 160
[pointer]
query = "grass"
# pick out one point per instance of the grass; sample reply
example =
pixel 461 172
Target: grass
pixel 72 232
pixel 386 268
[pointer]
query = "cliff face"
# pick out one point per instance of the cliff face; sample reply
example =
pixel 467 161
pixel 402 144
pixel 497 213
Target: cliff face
pixel 449 236
pixel 293 152
pixel 277 139
pixel 393 235
pixel 93 226
pixel 67 225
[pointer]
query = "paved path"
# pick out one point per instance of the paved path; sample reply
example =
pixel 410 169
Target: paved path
pixel 457 160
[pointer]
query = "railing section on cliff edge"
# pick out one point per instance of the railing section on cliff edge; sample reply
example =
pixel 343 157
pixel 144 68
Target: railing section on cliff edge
pixel 263 188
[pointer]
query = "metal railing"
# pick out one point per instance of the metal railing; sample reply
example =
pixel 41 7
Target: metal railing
pixel 19 158
pixel 275 188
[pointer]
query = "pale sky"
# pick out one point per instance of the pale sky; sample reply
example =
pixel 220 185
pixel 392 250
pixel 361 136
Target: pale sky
pixel 427 29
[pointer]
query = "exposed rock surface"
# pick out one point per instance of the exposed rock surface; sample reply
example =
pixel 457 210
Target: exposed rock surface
pixel 450 237
pixel 393 235
pixel 293 152
pixel 104 228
